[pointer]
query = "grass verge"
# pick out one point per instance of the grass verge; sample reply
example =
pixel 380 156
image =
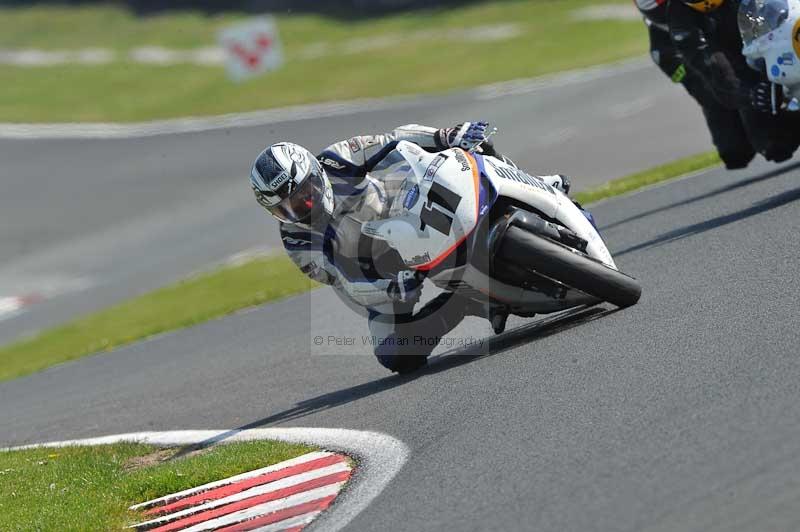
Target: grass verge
pixel 91 488
pixel 429 50
pixel 186 303
pixel 665 172
pixel 227 290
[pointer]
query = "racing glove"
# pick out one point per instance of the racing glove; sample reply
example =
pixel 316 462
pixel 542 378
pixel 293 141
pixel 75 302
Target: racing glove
pixel 465 136
pixel 405 287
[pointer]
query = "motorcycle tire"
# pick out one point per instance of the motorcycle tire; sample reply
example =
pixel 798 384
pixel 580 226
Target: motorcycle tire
pixel 568 266
pixel 409 364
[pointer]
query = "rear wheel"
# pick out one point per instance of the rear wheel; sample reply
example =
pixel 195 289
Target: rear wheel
pixel 568 266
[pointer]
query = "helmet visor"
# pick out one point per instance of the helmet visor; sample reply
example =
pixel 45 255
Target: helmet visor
pixel 759 17
pixel 304 201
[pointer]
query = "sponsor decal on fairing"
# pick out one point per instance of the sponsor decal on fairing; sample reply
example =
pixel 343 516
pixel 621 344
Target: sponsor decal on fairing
pixel 411 198
pixel 434 167
pixel 462 159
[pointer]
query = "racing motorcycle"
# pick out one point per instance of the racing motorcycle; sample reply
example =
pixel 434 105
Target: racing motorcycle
pixel 480 227
pixel 771 36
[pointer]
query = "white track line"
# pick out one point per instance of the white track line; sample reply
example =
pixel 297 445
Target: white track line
pixel 380 457
pixel 78 130
pixel 304 112
pixel 570 77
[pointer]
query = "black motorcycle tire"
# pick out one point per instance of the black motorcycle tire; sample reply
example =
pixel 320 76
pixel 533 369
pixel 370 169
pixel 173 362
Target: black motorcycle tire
pixel 568 266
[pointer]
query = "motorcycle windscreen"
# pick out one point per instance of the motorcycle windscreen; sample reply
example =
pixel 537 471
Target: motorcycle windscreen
pixel 759 17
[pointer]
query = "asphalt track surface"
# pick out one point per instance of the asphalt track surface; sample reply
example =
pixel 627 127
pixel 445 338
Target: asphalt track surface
pixel 86 223
pixel 680 413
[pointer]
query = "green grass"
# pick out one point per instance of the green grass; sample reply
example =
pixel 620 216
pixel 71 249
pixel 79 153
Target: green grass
pixel 652 176
pixel 224 291
pixel 186 303
pixel 551 40
pixel 91 488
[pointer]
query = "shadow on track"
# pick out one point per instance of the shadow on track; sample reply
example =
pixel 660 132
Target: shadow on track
pixel 515 337
pixel 690 230
pixel 729 188
pixel 440 363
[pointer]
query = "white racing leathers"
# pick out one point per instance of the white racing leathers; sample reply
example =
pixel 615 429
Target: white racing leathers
pixel 331 256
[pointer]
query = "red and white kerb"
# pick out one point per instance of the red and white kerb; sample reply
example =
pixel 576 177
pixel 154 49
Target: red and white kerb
pixel 10 306
pixel 285 496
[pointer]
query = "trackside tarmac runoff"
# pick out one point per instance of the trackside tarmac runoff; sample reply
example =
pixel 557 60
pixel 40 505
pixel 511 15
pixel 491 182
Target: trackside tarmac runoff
pixel 681 413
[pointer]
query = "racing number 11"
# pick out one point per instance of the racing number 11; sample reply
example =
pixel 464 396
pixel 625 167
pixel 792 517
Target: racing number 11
pixel 437 219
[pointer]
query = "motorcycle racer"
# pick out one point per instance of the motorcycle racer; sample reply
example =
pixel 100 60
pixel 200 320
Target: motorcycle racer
pixel 322 202
pixel 706 34
pixel 725 125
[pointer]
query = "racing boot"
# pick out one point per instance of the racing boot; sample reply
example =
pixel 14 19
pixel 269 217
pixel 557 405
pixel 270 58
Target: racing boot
pixel 589 216
pixel 561 182
pixel 498 319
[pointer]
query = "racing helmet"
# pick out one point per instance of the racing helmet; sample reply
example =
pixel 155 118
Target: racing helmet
pixel 291 184
pixel 704 6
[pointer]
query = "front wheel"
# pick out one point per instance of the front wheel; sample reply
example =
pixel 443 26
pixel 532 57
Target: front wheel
pixel 568 266
pixel 403 364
